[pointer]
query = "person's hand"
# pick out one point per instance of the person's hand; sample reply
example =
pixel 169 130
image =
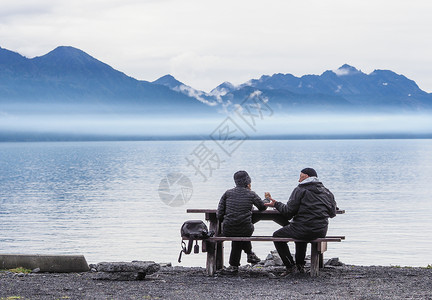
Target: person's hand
pixel 271 203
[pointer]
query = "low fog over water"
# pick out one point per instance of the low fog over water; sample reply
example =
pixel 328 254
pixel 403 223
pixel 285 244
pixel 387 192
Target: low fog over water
pixel 89 122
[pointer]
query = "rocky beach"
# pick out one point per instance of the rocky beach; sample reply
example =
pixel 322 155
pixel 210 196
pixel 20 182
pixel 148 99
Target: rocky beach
pixel 337 281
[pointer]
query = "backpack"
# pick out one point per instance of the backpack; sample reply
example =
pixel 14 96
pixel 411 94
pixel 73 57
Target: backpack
pixel 193 230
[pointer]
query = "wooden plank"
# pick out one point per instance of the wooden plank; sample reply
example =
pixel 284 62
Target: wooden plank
pixel 342 237
pixel 322 247
pixel 269 239
pixel 266 212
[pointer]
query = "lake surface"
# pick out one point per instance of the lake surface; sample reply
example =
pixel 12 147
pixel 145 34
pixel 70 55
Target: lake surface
pixel 112 200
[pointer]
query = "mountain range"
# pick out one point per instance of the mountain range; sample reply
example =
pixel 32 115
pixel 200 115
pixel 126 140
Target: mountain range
pixel 70 77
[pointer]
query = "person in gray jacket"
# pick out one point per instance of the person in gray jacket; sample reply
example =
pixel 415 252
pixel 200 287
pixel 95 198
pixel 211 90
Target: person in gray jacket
pixel 309 207
pixel 235 213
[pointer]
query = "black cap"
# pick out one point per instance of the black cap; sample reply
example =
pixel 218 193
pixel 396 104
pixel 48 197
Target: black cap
pixel 310 172
pixel 241 178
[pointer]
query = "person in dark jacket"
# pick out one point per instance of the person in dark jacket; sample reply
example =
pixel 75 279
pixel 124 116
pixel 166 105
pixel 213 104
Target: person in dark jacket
pixel 309 207
pixel 235 213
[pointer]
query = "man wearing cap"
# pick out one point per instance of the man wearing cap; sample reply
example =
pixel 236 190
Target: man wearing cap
pixel 309 207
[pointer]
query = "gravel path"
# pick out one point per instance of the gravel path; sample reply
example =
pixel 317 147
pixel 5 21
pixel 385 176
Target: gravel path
pixel 344 282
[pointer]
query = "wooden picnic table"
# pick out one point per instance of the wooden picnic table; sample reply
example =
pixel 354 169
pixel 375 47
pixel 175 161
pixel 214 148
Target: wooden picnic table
pixel 268 214
pixel 215 248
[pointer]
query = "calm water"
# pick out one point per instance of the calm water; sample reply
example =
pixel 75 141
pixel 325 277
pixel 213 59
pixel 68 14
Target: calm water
pixel 101 199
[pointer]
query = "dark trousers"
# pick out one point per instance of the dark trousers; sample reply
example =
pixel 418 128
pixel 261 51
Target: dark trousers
pixel 236 250
pixel 283 249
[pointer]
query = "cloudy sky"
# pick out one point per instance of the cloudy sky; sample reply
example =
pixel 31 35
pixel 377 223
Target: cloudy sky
pixel 204 43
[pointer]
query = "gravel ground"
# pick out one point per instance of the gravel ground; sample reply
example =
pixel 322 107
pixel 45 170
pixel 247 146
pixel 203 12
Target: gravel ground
pixel 343 282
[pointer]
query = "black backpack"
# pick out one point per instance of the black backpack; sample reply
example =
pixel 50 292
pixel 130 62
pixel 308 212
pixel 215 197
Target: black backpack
pixel 193 230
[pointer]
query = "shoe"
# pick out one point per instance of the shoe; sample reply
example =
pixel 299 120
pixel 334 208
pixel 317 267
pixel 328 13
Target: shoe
pixel 301 269
pixel 289 270
pixel 252 258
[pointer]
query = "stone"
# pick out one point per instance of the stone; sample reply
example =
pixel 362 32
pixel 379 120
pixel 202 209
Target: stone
pixel 119 276
pixel 37 270
pixel 135 270
pixel 278 261
pixel 334 262
pixel 269 263
pixel 46 263
pixel 165 265
pixel 273 259
pixel 147 267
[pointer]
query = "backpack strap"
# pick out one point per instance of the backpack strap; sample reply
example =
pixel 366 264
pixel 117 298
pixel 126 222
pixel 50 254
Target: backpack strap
pixel 186 250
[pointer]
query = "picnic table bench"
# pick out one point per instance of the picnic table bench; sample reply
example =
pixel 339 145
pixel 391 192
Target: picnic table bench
pixel 214 245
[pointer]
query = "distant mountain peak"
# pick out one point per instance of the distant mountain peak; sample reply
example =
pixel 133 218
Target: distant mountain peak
pixel 226 85
pixel 66 51
pixel 8 57
pixel 222 89
pixel 169 81
pixel 346 70
pixel 67 55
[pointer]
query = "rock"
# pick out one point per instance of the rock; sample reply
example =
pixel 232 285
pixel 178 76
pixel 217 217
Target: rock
pixel 21 275
pixel 278 261
pixel 164 265
pixel 334 262
pixel 269 262
pixel 37 270
pixel 147 267
pixel 273 259
pixel 135 270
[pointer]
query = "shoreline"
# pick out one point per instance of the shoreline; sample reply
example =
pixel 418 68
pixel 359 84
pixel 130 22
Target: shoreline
pixel 334 282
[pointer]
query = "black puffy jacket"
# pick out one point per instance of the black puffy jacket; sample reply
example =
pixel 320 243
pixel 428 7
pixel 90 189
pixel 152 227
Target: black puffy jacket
pixel 235 210
pixel 309 206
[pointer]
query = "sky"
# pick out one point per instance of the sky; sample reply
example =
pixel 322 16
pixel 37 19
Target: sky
pixel 205 43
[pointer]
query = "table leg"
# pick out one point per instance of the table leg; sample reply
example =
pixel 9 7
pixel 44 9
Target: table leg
pixel 322 247
pixel 219 251
pixel 211 258
pixel 219 256
pixel 314 260
pixel 213 252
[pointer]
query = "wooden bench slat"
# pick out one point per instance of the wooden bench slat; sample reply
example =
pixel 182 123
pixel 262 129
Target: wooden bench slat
pixel 271 239
pixel 268 211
